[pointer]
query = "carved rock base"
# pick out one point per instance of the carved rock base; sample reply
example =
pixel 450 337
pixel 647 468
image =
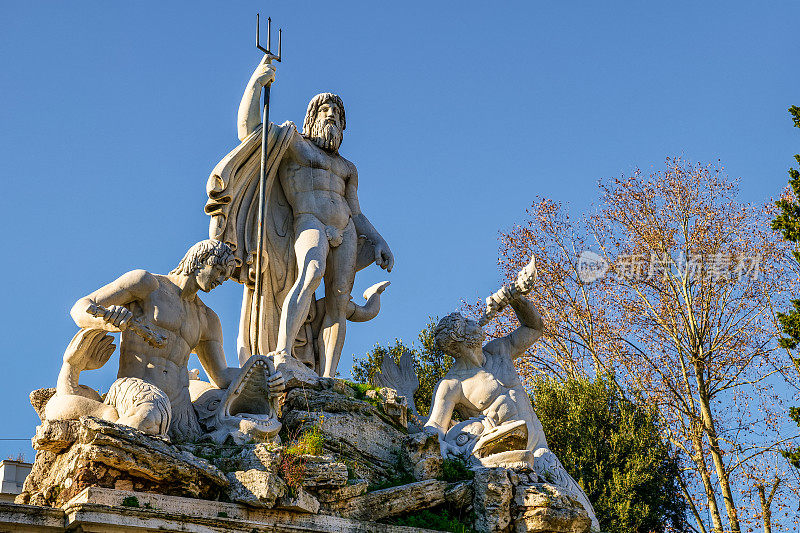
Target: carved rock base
pixel 516 501
pixel 76 454
pixel 361 434
pixel 90 466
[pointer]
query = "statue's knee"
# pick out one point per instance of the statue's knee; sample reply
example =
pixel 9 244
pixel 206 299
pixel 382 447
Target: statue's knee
pixel 312 276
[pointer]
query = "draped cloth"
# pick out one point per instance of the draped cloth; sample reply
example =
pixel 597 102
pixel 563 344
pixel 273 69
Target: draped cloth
pixel 232 204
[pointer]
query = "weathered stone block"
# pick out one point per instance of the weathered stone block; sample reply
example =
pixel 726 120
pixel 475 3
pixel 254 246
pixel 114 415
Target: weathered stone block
pixel 56 435
pixel 394 406
pixel 301 502
pixel 544 507
pixel 92 452
pixel 324 472
pixel 345 492
pixel 393 501
pixel 552 520
pixel 422 455
pixel 352 429
pixel 256 488
pixel 492 500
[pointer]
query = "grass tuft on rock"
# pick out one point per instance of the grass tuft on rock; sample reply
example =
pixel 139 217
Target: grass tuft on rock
pixel 456 469
pixel 130 501
pixel 309 442
pixel 439 519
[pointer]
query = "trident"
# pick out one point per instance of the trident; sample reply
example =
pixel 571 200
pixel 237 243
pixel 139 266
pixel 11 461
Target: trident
pixel 262 179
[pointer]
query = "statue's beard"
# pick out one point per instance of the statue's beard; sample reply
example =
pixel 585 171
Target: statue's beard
pixel 474 341
pixel 474 353
pixel 327 136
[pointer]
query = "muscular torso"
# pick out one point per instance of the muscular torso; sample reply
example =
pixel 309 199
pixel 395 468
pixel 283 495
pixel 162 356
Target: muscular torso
pixel 180 321
pixel 493 390
pixel 314 182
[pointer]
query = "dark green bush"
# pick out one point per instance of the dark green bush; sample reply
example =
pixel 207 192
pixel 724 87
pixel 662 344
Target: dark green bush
pixel 613 448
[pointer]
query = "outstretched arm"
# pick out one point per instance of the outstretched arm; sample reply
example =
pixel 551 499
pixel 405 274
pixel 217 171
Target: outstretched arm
pixel 132 286
pixel 383 255
pixel 249 116
pixel 530 329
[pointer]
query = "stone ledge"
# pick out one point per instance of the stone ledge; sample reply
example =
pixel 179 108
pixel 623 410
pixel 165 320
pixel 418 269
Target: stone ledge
pixel 100 509
pixel 97 507
pixel 30 518
pixel 393 501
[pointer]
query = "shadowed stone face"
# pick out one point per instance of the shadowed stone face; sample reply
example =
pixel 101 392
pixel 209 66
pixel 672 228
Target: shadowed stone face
pixel 455 330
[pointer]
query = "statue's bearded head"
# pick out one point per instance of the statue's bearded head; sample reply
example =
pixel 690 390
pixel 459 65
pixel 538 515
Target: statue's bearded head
pixel 325 121
pixel 454 331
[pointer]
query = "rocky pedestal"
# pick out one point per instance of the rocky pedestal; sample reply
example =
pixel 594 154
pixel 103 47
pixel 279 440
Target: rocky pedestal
pixel 544 507
pixel 346 460
pixel 517 500
pixel 367 434
pixel 75 454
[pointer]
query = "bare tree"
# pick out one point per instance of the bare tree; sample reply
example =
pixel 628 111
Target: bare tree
pixel 577 330
pixel 685 315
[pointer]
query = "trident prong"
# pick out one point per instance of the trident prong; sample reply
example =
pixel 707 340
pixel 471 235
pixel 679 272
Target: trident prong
pixel 269 38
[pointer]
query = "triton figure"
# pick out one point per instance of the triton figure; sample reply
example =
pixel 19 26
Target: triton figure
pixel 142 306
pixel 499 426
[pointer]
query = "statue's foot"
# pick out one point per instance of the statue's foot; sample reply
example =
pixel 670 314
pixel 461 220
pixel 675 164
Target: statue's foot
pixel 295 373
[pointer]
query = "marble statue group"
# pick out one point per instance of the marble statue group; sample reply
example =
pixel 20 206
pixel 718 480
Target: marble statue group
pixel 314 234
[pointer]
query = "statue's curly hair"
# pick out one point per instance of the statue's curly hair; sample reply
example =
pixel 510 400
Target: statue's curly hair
pixel 450 331
pixel 209 251
pixel 313 107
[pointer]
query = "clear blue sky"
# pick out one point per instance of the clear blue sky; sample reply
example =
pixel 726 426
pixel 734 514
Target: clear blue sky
pixel 458 114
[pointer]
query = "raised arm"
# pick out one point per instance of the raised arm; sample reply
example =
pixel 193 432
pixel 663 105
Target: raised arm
pixel 132 286
pixel 249 116
pixel 210 353
pixel 530 329
pixel 383 255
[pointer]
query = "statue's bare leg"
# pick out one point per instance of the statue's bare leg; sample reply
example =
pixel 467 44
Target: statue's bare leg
pixel 311 249
pixel 339 278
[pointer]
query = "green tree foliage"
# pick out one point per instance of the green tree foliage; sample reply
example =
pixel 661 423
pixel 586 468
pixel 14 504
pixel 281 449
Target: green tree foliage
pixel 794 455
pixel 788 223
pixel 613 448
pixel 430 364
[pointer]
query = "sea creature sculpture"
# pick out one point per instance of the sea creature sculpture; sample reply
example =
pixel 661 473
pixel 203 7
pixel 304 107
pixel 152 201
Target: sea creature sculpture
pixel 244 412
